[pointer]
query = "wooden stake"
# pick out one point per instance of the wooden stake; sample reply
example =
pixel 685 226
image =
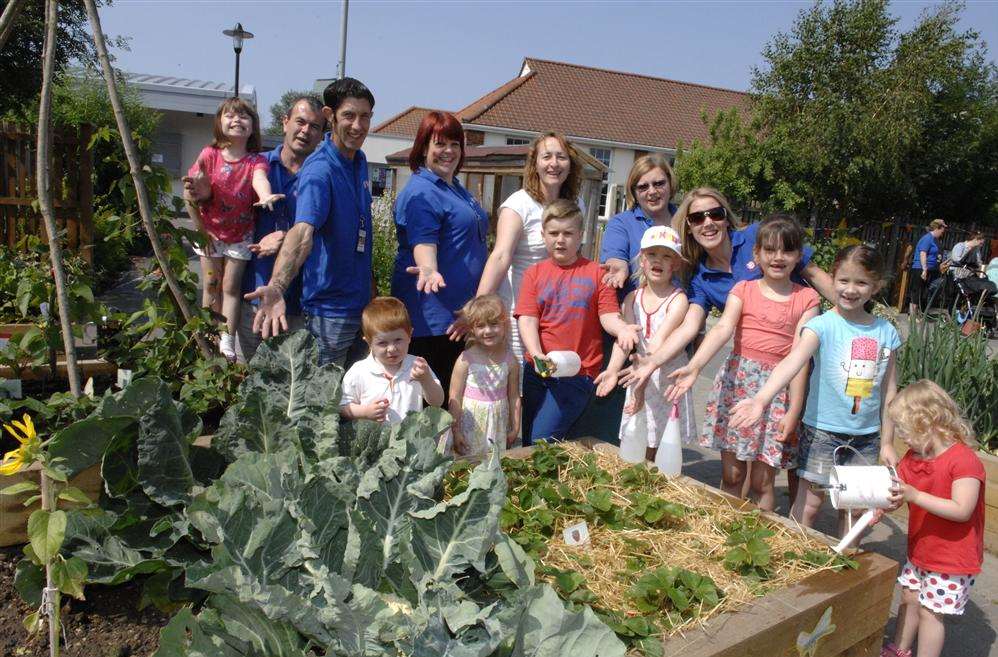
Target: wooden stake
pixel 135 167
pixel 43 172
pixel 8 18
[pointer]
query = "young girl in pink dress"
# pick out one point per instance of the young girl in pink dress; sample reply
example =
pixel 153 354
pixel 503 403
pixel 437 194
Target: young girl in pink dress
pixel 657 307
pixel 485 384
pixel 764 315
pixel 942 480
pixel 238 177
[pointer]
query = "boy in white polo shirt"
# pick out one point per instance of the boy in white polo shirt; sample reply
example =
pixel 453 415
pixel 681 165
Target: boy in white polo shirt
pixel 389 383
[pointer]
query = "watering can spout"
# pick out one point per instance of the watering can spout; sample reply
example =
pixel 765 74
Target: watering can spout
pixel 858 528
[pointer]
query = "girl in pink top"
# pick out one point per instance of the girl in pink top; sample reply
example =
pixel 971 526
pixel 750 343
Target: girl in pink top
pixel 765 316
pixel 237 174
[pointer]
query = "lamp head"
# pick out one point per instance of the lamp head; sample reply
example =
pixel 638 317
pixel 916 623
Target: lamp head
pixel 238 35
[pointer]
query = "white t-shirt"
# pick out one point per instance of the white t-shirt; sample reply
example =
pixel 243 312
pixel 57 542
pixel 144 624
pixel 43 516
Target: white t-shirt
pixel 366 381
pixel 529 251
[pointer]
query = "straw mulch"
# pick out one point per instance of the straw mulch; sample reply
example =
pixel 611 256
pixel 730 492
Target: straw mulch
pixel 696 543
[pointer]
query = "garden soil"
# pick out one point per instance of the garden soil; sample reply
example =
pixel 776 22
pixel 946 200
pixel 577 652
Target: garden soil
pixel 107 624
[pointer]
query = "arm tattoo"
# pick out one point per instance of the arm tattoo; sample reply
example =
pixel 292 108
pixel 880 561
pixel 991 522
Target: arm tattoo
pixel 297 246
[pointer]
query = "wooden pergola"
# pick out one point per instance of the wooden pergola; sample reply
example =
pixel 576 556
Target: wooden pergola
pixel 492 173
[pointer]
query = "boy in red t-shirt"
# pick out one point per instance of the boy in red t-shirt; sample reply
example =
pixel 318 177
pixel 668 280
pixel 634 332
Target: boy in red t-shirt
pixel 942 480
pixel 562 305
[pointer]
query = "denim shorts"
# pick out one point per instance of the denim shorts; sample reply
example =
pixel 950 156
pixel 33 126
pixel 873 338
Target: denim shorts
pixel 816 452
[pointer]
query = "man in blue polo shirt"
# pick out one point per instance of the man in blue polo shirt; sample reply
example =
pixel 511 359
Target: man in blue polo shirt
pixel 331 240
pixel 302 125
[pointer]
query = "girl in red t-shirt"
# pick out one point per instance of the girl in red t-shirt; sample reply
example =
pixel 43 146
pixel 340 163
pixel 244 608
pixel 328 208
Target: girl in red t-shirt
pixel 941 479
pixel 237 174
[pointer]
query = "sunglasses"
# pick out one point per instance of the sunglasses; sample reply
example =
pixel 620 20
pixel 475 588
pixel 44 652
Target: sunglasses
pixel 714 214
pixel 658 184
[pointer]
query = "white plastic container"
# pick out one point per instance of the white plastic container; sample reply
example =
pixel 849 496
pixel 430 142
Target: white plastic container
pixel 860 486
pixel 634 438
pixel 566 363
pixel 669 458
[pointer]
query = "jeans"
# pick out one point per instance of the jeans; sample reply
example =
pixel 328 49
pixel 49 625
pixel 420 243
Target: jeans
pixel 816 452
pixel 552 405
pixel 339 339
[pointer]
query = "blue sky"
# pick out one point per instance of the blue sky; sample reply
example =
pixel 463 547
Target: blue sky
pixel 446 54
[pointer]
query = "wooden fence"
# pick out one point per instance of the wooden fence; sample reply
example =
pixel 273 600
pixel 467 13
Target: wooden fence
pixel 72 182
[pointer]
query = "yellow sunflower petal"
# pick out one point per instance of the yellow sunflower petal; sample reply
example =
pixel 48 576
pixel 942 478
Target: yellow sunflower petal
pixel 12 463
pixel 21 439
pixel 30 426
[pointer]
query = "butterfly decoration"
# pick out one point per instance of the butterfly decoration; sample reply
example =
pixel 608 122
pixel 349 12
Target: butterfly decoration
pixel 807 642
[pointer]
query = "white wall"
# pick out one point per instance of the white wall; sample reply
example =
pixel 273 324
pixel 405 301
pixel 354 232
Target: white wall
pixel 195 133
pixel 377 147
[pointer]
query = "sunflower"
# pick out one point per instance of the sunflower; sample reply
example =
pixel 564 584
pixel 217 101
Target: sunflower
pixel 24 455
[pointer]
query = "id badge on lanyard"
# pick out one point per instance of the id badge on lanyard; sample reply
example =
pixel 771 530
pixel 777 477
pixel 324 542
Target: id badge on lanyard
pixel 361 238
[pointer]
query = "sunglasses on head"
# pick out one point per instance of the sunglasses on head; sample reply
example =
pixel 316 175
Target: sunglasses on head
pixel 715 214
pixel 644 187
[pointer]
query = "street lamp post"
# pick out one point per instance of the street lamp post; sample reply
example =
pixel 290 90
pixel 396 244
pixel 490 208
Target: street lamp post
pixel 238 34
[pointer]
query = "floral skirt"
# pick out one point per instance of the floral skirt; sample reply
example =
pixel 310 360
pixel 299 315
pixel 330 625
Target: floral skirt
pixel 741 378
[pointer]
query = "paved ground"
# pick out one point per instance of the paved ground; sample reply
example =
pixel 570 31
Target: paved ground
pixel 971 635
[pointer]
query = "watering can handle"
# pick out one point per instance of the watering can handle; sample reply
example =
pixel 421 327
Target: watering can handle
pixel 835 453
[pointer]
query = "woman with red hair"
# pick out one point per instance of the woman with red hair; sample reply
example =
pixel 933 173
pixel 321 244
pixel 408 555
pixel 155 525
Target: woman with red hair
pixel 441 234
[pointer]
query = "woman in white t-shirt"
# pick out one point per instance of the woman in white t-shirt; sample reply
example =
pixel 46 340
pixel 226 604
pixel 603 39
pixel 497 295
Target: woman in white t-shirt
pixel 552 171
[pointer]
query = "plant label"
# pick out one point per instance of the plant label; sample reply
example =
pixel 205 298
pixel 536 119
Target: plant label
pixel 10 389
pixel 89 338
pixel 577 535
pixel 124 378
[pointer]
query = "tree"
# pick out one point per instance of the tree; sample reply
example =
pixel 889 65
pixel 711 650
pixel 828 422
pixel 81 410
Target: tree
pixel 862 121
pixel 280 109
pixel 19 58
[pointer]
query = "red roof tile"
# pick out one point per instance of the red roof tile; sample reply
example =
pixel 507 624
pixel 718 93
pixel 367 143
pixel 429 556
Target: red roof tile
pixel 405 123
pixel 600 104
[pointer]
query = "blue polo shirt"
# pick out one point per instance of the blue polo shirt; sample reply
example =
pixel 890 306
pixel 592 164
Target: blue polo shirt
pixel 928 244
pixel 429 211
pixel 282 217
pixel 622 239
pixel 709 288
pixel 334 196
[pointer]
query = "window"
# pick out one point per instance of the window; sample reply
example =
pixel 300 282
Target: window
pixel 604 155
pixel 517 141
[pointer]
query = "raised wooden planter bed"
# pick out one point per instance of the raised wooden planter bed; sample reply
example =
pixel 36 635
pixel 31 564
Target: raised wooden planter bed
pixel 990 496
pixel 860 602
pixel 13 513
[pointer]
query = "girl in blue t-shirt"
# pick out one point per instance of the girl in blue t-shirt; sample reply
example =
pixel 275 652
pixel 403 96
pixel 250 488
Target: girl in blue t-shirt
pixel 851 384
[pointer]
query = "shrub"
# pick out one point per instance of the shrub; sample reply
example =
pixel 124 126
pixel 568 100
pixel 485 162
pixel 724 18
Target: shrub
pixel 386 243
pixel 961 365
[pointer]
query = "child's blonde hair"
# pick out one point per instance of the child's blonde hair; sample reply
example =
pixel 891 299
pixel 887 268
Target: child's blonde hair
pixel 562 208
pixel 384 315
pixel 486 309
pixel 923 411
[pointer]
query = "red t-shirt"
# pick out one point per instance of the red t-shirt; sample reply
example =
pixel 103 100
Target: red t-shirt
pixel 568 302
pixel 934 543
pixel 228 215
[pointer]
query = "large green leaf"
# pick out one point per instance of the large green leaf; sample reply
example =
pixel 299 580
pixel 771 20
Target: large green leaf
pixel 544 628
pixel 164 467
pixel 286 398
pixel 450 536
pixel 362 625
pixel 228 628
pixel 408 472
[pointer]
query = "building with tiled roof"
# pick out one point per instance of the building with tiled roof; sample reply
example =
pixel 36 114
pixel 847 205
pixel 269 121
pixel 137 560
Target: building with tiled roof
pixel 615 116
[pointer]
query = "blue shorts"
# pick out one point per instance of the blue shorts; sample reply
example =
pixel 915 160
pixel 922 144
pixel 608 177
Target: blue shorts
pixel 339 339
pixel 816 452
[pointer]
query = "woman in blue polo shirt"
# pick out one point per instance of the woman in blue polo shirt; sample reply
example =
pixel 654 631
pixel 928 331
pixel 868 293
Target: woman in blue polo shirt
pixel 719 254
pixel 649 188
pixel 925 266
pixel 441 233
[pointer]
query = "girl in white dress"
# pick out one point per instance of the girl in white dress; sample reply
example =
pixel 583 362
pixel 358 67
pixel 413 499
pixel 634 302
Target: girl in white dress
pixel 485 385
pixel 658 307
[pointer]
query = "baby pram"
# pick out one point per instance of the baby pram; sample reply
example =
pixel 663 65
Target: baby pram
pixel 976 299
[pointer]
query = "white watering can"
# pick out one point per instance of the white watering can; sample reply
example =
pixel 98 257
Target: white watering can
pixel 565 363
pixel 859 487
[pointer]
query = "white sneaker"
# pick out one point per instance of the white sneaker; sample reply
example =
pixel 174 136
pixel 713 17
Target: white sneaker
pixel 227 346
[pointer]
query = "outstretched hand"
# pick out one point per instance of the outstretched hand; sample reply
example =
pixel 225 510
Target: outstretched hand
pixel 745 413
pixel 269 201
pixel 605 382
pixel 270 316
pixel 430 280
pixel 269 244
pixel 197 188
pixel 683 380
pixel 629 337
pixel 614 273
